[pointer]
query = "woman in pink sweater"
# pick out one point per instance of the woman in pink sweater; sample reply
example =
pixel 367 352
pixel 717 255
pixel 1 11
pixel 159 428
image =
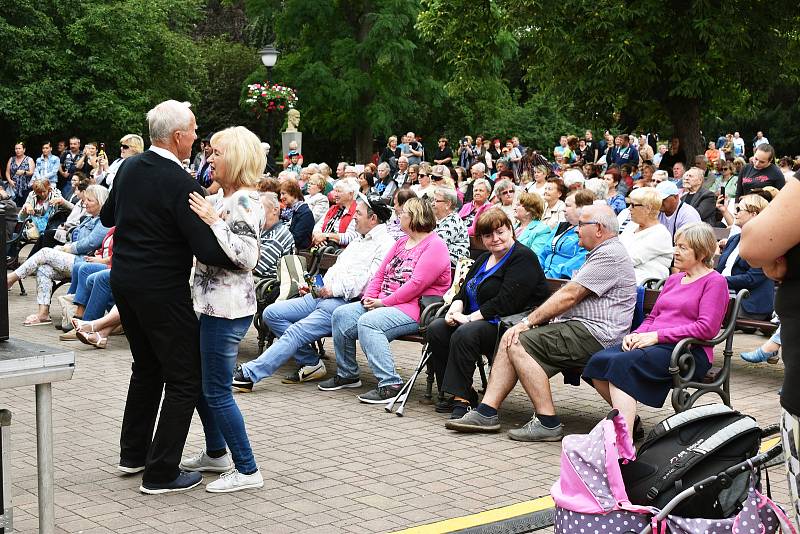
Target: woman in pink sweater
pixel 417 265
pixel 692 304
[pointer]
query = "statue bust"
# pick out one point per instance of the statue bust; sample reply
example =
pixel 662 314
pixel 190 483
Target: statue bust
pixel 292 120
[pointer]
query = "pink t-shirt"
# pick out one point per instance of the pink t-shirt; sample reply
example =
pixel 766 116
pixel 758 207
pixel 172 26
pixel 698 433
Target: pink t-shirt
pixel 689 310
pixel 407 274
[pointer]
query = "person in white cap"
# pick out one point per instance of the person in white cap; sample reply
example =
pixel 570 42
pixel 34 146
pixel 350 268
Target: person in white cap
pixel 674 212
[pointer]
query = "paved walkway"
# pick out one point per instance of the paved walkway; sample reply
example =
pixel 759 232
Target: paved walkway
pixel 330 464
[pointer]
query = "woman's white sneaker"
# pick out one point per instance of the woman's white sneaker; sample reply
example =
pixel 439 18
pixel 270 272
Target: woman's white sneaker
pixel 202 462
pixel 233 480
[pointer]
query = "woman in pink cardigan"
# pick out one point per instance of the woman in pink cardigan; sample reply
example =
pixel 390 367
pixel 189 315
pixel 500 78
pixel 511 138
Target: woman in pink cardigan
pixel 417 265
pixel 692 304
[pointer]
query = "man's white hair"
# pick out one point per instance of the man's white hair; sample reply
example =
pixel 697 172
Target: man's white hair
pixel 167 117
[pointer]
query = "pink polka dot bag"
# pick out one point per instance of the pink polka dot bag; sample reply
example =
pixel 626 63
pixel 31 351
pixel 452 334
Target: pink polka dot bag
pixel 590 494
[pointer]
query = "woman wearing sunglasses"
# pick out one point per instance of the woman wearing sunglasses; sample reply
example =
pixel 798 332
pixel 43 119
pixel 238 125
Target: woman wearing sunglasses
pixel 130 145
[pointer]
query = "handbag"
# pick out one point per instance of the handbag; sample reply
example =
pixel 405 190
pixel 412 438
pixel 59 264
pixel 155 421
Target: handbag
pixel 30 231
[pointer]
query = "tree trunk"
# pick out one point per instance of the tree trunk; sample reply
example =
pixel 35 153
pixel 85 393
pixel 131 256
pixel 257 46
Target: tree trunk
pixel 364 143
pixel 685 116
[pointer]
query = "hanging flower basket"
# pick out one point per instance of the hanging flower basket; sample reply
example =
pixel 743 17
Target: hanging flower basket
pixel 263 98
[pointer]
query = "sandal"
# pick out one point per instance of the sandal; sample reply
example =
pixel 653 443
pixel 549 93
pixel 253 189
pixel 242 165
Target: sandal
pixel 78 325
pixel 34 320
pixel 94 339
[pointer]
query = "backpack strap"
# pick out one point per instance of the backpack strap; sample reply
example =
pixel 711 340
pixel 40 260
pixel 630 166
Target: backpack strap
pixel 684 418
pixel 674 468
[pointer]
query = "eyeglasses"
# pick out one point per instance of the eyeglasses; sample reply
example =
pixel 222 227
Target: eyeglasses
pixel 581 224
pixel 509 192
pixel 124 147
pixel 636 205
pixel 421 174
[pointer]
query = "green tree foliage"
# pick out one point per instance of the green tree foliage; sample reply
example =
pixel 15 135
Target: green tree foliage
pixel 356 67
pixel 473 43
pixel 225 66
pixel 653 57
pixel 93 67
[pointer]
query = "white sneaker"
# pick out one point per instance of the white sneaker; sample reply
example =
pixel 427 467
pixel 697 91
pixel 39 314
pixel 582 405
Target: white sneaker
pixel 307 373
pixel 234 481
pixel 203 462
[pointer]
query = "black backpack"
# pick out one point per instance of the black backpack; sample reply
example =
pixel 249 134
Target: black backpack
pixel 687 448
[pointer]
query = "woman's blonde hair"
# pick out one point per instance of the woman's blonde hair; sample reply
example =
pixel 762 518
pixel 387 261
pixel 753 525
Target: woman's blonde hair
pixel 135 143
pixel 318 180
pixel 700 238
pixel 648 196
pixel 391 138
pixel 421 214
pixel 244 158
pixel 754 203
pixel 533 204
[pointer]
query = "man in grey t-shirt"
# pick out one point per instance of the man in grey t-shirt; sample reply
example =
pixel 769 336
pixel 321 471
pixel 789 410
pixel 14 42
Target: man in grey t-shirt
pixel 591 312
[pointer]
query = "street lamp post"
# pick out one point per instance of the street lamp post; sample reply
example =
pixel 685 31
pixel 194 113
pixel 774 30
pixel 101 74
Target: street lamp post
pixel 269 56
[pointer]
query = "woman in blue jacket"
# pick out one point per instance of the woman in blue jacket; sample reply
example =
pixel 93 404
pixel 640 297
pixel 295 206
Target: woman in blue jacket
pixel 51 264
pixel 562 255
pixel 296 214
pixel 739 273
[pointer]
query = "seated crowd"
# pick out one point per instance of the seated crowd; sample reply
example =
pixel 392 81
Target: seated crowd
pixel 601 217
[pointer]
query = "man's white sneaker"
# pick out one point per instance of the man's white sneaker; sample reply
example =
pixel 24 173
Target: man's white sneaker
pixel 234 481
pixel 202 462
pixel 306 373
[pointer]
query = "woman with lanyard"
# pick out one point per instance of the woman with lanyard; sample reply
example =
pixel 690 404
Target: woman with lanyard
pixel 505 280
pixel 564 255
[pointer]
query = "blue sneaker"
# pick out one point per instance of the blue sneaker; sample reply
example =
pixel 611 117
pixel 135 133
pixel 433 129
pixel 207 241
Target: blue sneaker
pixel 759 356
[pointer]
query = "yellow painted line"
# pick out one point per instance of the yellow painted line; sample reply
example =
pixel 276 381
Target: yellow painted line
pixel 482 518
pixel 767 445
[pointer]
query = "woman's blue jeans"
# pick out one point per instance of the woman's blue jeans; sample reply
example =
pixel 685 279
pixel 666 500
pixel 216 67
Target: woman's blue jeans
pixel 374 329
pixel 222 421
pixel 80 273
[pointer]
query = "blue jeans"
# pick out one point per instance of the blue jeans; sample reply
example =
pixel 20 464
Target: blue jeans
pixel 80 273
pixel 297 323
pixel 100 298
pixel 374 329
pixel 222 421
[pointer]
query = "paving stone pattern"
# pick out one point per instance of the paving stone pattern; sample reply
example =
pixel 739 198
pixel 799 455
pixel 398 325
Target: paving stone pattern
pixel 331 464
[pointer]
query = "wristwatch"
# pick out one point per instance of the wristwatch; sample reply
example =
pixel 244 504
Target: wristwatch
pixel 526 323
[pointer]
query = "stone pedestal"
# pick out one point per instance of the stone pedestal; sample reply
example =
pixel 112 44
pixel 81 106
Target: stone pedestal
pixel 288 137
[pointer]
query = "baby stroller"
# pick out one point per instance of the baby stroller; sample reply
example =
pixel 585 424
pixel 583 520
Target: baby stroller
pixel 591 495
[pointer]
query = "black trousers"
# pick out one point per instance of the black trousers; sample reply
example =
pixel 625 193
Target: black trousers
pixel 455 351
pixel 164 336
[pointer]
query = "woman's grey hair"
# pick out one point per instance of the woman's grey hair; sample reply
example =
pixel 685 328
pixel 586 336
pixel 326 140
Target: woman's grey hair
pixel 598 186
pixel 484 182
pixel 384 165
pixel 270 199
pixel 325 169
pixel 312 168
pixel 505 183
pixel 700 238
pixel 99 193
pixel 449 195
pixel 168 117
pixel 347 185
pixel 479 167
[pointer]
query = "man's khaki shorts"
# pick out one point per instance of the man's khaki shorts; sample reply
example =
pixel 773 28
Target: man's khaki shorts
pixel 560 346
